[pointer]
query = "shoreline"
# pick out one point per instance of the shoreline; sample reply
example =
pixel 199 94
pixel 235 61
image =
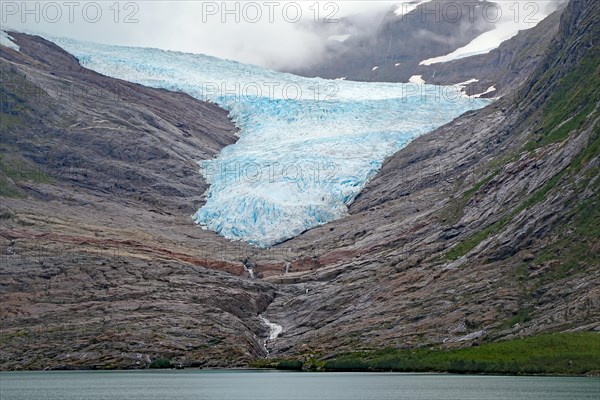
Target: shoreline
pixel 595 374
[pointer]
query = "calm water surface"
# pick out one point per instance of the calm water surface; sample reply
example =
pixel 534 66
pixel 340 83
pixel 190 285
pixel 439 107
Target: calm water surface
pixel 270 385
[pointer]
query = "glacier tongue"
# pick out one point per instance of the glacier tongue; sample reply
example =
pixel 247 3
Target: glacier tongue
pixel 307 146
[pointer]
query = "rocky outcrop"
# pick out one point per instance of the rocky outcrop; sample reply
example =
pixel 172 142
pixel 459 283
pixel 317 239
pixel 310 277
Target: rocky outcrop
pixel 505 68
pixel 393 51
pixel 85 310
pixel 390 48
pixel 111 134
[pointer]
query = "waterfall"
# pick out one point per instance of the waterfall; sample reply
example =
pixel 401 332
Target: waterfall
pixel 274 331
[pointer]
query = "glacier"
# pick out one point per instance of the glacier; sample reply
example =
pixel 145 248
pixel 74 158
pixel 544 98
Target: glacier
pixel 307 146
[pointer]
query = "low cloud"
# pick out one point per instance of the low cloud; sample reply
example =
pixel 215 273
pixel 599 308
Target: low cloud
pixel 263 33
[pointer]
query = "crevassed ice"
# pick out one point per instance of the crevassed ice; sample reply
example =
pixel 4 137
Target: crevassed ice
pixel 307 147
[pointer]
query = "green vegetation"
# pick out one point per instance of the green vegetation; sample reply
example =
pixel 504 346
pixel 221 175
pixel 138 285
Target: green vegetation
pixel 469 244
pixel 572 105
pixel 578 240
pixel 21 170
pixel 591 151
pixel 457 208
pixel 161 363
pixel 560 353
pixel 575 97
pixel 469 193
pixel 586 223
pixel 466 246
pixel 6 214
pixel 7 189
pixel 19 97
pixel 538 196
pixel 290 364
pixel 16 95
pixel 521 317
pixel 13 170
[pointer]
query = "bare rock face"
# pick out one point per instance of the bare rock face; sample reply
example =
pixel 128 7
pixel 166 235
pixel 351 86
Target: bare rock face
pixel 94 311
pixel 112 135
pixel 101 265
pixel 392 47
pixel 485 229
pixel 477 231
pixel 504 68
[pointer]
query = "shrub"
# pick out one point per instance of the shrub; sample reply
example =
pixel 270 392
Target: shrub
pixel 161 363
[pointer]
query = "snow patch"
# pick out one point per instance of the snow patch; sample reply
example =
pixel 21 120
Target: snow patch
pixel 489 90
pixel 375 68
pixel 506 28
pixel 7 41
pixel 462 85
pixel 482 44
pixel 417 79
pixel 465 83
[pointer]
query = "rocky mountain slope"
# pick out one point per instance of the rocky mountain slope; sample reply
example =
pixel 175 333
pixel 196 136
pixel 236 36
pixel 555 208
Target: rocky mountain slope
pixel 482 230
pixel 486 228
pixel 389 48
pixel 504 68
pixel 101 265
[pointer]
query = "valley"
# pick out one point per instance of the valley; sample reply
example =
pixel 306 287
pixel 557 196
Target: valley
pixel 482 231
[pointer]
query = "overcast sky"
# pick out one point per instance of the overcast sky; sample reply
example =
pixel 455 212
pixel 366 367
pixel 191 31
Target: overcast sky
pixel 269 33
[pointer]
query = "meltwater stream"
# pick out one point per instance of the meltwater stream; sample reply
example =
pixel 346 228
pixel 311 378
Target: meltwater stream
pixel 274 331
pixel 307 147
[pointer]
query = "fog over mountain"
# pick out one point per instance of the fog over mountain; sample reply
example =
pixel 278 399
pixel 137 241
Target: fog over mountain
pixel 282 35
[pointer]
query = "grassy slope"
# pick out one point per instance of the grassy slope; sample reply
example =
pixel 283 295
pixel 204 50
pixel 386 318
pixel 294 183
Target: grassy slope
pixel 18 97
pixel 560 353
pixel 572 106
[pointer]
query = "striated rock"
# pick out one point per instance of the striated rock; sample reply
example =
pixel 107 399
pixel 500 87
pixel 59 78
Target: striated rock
pixel 476 180
pixel 504 68
pixel 101 265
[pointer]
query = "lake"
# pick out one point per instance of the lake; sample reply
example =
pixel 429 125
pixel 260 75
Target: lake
pixel 267 385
